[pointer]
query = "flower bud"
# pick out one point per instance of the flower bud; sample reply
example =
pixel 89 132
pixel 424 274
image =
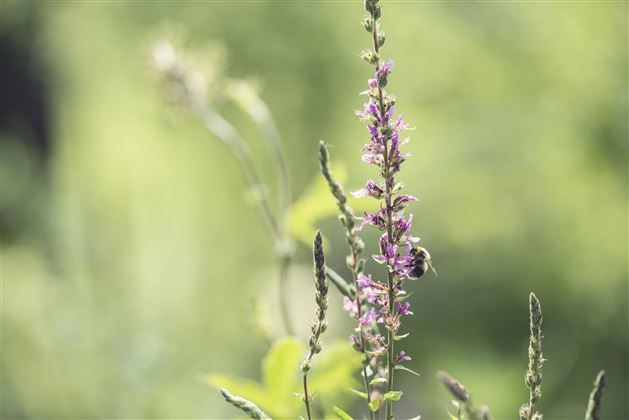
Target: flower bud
pixel 368 24
pixel 381 38
pixel 305 367
pixel 369 56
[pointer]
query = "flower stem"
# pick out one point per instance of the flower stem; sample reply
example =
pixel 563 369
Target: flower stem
pixel 285 315
pixel 306 397
pixel 227 133
pixel 388 183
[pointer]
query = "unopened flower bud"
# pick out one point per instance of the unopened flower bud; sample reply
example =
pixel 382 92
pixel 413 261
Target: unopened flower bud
pixel 368 24
pixel 369 56
pixel 305 367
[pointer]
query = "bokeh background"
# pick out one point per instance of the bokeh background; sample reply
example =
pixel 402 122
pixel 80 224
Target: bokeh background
pixel 131 254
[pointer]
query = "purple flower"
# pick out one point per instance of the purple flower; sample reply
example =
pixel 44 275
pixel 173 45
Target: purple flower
pixel 399 265
pixel 364 280
pixel 371 189
pixel 384 70
pixel 368 317
pixel 400 357
pixel 403 309
pixel 370 110
pixel 373 83
pixel 350 306
pixel 375 219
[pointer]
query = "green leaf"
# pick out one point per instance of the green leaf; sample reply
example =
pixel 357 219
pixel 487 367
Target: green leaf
pixel 453 417
pixel 341 414
pixel 374 405
pixel 401 337
pixel 416 418
pixel 279 371
pixel 404 297
pixel 378 381
pixel 400 367
pixel 393 395
pixel 317 203
pixel 333 371
pixel 359 393
pixel 343 286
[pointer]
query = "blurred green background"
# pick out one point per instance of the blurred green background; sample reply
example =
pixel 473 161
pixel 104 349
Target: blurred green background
pixel 130 254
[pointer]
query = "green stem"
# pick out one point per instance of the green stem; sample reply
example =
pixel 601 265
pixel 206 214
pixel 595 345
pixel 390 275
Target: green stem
pixel 389 180
pixel 228 134
pixel 306 397
pixel 285 313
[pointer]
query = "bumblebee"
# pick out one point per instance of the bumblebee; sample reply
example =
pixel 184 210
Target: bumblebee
pixel 421 262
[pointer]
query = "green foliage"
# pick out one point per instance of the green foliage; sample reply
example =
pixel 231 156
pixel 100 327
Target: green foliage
pixel 404 368
pixel 334 371
pixel 315 205
pixel 393 395
pixel 374 405
pixel 341 414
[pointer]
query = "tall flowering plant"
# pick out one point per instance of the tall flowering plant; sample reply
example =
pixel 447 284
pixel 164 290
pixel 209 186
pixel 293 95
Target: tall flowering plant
pixel 385 298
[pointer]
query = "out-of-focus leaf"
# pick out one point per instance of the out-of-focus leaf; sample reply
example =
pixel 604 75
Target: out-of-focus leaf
pixel 401 337
pixel 393 395
pixel 378 381
pixel 341 414
pixel 400 367
pixel 374 405
pixel 280 381
pixel 317 203
pixel 332 373
pixel 341 284
pixel 279 367
pixel 361 394
pixel 245 388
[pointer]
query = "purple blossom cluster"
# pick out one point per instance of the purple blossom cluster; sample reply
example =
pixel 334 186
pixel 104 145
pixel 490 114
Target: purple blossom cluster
pixel 384 302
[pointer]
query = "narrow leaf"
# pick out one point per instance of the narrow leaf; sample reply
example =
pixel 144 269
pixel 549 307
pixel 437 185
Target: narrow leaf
pixel 359 393
pixel 343 286
pixel 378 381
pixel 400 367
pixel 341 414
pixel 374 405
pixel 393 395
pixel 249 408
pixel 452 416
pixel 401 337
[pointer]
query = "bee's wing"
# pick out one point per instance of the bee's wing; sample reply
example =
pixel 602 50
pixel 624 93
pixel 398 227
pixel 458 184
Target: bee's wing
pixel 431 267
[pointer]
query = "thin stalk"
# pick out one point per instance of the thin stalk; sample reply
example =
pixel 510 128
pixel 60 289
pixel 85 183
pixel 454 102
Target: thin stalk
pixel 284 270
pixel 306 397
pixel 261 114
pixel 228 134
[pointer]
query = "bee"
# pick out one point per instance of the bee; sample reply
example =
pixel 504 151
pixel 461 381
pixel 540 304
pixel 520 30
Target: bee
pixel 421 262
